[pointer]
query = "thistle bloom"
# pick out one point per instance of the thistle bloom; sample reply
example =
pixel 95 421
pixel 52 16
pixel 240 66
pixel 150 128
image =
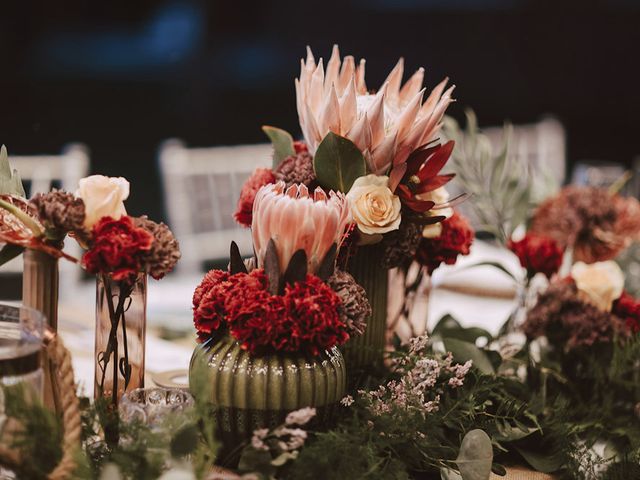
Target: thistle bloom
pixel 296 220
pixel 386 126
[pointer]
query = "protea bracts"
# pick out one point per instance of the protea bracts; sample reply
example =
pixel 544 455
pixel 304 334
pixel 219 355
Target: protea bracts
pixel 386 126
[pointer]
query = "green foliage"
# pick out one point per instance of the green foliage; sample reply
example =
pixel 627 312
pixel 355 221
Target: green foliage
pixel 502 187
pixel 338 163
pixel 10 182
pixel 40 436
pixel 282 143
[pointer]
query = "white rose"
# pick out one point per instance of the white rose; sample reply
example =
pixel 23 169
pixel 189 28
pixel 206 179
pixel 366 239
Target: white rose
pixel 103 197
pixel 374 207
pixel 599 283
pixel 437 196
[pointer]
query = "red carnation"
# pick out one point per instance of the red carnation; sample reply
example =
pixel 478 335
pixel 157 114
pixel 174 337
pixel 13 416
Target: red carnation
pixel 456 239
pixel 244 210
pixel 118 248
pixel 208 302
pixel 305 318
pixel 627 308
pixel 538 254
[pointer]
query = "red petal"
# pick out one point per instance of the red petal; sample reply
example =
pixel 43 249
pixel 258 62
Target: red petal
pixel 418 157
pixel 437 161
pixel 433 183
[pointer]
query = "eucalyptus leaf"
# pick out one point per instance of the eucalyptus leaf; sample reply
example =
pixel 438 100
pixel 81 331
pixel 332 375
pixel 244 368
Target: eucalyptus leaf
pixel 476 456
pixel 463 351
pixel 450 328
pixel 338 163
pixel 282 143
pixel 252 460
pixel 545 462
pixel 10 182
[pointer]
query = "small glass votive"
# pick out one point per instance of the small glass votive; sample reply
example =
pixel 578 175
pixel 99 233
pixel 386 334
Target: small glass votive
pixel 20 346
pixel 152 405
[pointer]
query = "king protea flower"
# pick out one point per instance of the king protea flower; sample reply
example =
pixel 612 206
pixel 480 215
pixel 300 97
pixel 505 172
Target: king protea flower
pixel 386 126
pixel 296 220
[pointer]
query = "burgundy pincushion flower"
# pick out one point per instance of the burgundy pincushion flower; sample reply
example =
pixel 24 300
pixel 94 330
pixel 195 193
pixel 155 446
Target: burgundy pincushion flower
pixel 244 210
pixel 118 248
pixel 456 239
pixel 305 318
pixel 627 308
pixel 538 254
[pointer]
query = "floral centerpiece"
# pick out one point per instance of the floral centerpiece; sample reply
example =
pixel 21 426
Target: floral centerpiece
pixel 120 250
pixel 378 148
pixel 270 326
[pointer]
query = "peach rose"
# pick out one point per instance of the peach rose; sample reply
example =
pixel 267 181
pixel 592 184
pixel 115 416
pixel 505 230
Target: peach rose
pixel 102 197
pixel 374 207
pixel 599 283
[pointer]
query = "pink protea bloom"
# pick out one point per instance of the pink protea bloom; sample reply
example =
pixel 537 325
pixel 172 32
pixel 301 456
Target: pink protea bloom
pixel 386 126
pixel 296 220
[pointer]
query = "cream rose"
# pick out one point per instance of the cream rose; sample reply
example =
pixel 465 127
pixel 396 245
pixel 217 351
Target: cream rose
pixel 374 207
pixel 599 283
pixel 103 197
pixel 437 196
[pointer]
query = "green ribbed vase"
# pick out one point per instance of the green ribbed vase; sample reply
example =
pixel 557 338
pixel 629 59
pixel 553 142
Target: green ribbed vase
pixel 367 350
pixel 250 392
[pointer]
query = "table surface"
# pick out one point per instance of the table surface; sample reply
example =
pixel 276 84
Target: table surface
pixel 169 308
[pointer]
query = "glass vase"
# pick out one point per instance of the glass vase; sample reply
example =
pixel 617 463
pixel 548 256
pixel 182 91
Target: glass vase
pixel 248 391
pixel 367 350
pixel 40 281
pixel 120 336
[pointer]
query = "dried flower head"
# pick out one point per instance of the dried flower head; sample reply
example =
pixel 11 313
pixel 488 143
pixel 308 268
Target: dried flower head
pixel 164 252
pixel 569 322
pixel 400 246
pixel 59 212
pixel 355 309
pixel 595 223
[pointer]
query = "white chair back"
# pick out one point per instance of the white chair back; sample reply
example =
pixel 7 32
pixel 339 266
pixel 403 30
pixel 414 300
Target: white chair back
pixel 40 173
pixel 542 145
pixel 201 191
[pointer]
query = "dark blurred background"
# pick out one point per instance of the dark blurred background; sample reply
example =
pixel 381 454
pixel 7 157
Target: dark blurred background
pixel 121 76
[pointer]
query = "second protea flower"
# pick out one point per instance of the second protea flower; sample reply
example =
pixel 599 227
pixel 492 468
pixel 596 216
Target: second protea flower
pixel 386 126
pixel 295 220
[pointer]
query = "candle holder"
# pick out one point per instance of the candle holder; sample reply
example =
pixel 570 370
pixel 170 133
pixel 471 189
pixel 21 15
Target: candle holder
pixel 152 405
pixel 20 349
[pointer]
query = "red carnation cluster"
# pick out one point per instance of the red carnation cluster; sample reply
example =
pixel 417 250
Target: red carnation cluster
pixel 538 254
pixel 244 210
pixel 627 308
pixel 304 318
pixel 118 248
pixel 456 239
